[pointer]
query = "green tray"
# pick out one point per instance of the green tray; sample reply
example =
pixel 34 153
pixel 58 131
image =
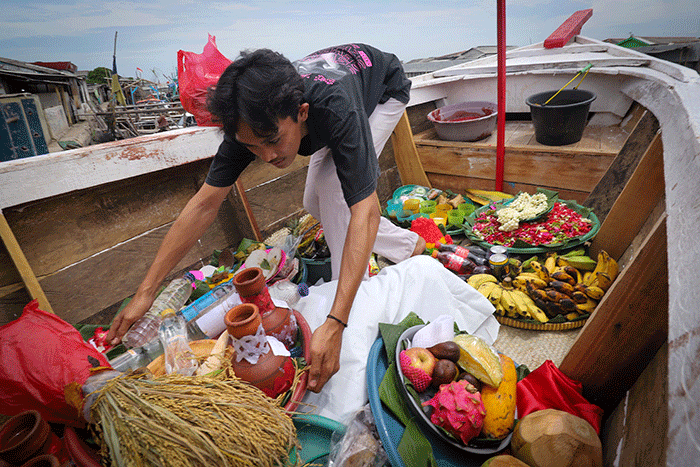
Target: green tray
pixel 574 242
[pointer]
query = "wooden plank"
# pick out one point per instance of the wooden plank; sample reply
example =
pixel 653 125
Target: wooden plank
pixel 89 286
pixel 59 231
pixel 520 135
pixel 20 261
pixel 604 194
pixel 568 29
pixel 578 172
pixel 406 154
pixel 39 177
pixel 634 205
pixel 629 325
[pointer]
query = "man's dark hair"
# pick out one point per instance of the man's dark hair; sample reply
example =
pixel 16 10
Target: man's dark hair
pixel 259 87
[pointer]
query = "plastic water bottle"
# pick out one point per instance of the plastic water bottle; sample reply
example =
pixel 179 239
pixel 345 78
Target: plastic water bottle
pixel 130 360
pixel 197 307
pixel 179 357
pixel 288 291
pixel 210 322
pixel 173 296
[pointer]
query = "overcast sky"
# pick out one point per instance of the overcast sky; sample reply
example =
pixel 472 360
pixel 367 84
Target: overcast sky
pixel 150 33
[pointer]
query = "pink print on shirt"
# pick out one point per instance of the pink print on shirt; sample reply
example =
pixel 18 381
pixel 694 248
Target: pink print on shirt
pixel 333 63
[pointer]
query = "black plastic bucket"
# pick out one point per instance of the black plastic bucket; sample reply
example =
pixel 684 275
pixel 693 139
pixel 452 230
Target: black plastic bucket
pixel 563 119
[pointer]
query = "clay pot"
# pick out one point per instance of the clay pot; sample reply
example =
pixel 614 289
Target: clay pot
pixel 242 320
pixel 273 374
pixel 24 436
pixel 278 322
pixel 45 460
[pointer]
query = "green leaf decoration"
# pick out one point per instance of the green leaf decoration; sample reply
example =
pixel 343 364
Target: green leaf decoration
pixel 415 450
pixel 391 397
pixel 265 264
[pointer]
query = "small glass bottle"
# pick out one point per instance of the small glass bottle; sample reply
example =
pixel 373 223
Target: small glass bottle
pixel 173 296
pixel 172 333
pixel 454 262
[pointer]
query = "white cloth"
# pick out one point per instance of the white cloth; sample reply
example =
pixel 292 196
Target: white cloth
pixel 419 284
pixel 323 196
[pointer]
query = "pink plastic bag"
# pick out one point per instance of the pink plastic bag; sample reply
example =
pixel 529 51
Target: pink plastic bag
pixel 40 355
pixel 195 74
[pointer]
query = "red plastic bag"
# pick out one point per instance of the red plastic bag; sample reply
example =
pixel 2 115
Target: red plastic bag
pixel 548 388
pixel 40 355
pixel 195 73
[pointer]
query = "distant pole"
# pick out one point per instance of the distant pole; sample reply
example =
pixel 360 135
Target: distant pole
pixel 114 56
pixel 501 133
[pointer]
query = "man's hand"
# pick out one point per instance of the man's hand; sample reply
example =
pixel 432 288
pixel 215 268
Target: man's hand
pixel 325 354
pixel 135 309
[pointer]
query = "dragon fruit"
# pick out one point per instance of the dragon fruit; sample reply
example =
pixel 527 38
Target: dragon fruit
pixel 458 410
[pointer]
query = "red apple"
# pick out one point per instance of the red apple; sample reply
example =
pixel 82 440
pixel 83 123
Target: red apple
pixel 418 364
pixel 423 359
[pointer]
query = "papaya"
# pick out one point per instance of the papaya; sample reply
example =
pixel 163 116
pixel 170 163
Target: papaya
pixel 504 460
pixel 499 402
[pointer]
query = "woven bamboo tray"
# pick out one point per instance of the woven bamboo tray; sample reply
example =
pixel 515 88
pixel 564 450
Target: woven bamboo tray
pixel 541 327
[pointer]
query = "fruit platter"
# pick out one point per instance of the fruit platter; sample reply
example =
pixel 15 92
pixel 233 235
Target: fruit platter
pixel 555 291
pixel 535 226
pixel 461 391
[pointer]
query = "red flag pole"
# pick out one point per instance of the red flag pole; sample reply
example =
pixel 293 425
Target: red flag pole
pixel 501 133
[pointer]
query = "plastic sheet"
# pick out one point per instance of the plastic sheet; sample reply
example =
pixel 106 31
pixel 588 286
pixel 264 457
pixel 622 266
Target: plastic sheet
pixel 41 354
pixel 195 74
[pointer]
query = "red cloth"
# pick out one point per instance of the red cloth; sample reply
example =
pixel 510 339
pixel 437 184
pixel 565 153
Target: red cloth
pixel 548 388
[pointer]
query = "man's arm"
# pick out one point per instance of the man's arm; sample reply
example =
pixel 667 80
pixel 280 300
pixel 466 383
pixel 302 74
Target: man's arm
pixel 327 339
pixel 193 221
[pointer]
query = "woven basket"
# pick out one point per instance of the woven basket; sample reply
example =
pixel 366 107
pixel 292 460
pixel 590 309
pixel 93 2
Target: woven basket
pixel 541 327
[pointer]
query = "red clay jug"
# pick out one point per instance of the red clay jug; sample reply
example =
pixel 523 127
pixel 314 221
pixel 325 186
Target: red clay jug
pixel 278 322
pixel 273 374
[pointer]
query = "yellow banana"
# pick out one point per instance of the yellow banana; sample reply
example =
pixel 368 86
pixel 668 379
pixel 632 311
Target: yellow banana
pixel 602 264
pixel 533 310
pixel 521 304
pixel 602 280
pixel 594 292
pixel 587 307
pixel 571 316
pixel 500 310
pixel 587 278
pixel 508 302
pixel 495 295
pixel 540 271
pixel 573 272
pixel 564 277
pixel 520 284
pixel 486 288
pixel 551 262
pixel 579 297
pixel 476 280
pixel 611 266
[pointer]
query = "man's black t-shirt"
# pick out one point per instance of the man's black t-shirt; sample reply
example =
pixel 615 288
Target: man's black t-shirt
pixel 343 85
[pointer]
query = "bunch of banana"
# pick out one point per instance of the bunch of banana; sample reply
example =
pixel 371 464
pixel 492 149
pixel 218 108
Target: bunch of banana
pixel 557 287
pixel 507 300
